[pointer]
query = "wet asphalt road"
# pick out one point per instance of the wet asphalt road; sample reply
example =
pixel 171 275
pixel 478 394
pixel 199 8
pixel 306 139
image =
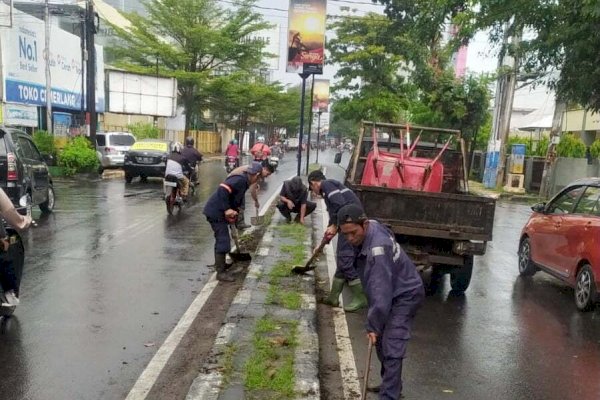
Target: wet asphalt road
pixel 107 277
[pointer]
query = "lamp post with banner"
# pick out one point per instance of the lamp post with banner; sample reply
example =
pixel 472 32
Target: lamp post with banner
pixel 306 48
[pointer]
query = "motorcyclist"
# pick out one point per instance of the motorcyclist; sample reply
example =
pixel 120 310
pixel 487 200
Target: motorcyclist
pixel 176 165
pixel 193 156
pixel 260 151
pixel 8 278
pixel 233 150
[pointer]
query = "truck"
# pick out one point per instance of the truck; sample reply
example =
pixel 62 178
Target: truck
pixel 293 143
pixel 419 188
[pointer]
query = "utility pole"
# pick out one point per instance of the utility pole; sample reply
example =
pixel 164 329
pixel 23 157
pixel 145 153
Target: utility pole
pixel 90 22
pixel 318 134
pixel 505 90
pixel 310 120
pixel 83 61
pixel 48 77
pixel 559 111
pixel 303 75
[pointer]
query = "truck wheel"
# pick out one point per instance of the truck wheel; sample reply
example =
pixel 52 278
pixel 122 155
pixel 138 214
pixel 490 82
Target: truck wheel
pixel 460 277
pixel 436 279
pixel 128 177
pixel 526 266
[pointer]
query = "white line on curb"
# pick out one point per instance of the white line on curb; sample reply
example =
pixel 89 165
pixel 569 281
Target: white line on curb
pixel 145 382
pixel 348 369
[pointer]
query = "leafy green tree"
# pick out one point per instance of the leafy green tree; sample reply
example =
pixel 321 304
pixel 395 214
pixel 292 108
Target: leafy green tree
pixel 191 40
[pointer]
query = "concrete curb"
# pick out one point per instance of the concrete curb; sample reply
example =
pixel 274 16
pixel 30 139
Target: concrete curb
pixel 248 306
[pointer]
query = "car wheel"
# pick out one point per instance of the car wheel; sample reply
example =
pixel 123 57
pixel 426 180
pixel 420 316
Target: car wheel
pixel 460 278
pixel 48 205
pixel 143 179
pixel 128 178
pixel 100 170
pixel 585 289
pixel 526 266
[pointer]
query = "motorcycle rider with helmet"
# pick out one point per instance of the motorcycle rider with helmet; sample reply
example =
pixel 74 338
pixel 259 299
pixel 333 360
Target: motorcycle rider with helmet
pixel 233 150
pixel 193 156
pixel 260 151
pixel 176 165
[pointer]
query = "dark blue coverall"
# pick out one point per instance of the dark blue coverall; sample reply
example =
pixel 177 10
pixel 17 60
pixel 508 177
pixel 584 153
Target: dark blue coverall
pixel 395 292
pixel 336 196
pixel 229 194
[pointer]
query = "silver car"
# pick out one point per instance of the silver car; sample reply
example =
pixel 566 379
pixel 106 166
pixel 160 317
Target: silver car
pixel 111 148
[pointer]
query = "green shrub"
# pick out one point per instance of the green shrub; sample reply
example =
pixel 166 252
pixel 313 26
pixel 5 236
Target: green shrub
pixel 144 131
pixel 595 149
pixel 78 156
pixel 44 142
pixel 571 146
pixel 542 147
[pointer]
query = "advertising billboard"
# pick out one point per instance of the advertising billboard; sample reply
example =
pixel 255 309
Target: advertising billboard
pixel 271 40
pixel 130 93
pixel 306 36
pixel 24 65
pixel 320 101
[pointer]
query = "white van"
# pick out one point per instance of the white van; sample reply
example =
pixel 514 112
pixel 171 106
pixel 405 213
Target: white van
pixel 111 148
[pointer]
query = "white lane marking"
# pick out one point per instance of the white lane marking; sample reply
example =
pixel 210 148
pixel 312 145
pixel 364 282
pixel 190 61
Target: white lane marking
pixel 147 379
pixel 351 385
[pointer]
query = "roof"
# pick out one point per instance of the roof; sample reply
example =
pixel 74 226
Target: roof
pixel 543 123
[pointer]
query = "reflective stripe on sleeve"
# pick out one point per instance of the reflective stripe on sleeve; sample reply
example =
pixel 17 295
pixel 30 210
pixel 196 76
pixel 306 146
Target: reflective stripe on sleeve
pixel 226 187
pixel 377 251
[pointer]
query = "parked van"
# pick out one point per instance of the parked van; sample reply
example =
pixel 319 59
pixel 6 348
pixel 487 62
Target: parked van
pixel 111 148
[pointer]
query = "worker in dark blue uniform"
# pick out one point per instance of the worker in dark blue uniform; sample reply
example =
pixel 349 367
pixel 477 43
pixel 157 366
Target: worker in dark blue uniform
pixel 393 287
pixel 336 196
pixel 222 208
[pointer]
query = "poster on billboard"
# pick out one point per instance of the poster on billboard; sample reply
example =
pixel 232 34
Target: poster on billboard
pixel 20 115
pixel 306 36
pixel 320 101
pixel 24 65
pixel 270 38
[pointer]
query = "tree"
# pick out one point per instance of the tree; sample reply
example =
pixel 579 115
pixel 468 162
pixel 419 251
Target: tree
pixel 370 83
pixel 190 40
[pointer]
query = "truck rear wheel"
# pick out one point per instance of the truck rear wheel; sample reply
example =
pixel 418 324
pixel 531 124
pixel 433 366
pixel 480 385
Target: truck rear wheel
pixel 460 277
pixel 434 279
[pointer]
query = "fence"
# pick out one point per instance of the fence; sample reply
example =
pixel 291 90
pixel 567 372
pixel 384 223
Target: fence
pixel 206 141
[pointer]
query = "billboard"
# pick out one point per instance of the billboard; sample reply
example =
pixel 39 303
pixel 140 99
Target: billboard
pixel 306 36
pixel 130 93
pixel 24 64
pixel 19 115
pixel 320 101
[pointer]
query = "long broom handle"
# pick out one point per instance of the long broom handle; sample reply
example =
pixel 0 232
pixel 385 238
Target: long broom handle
pixel 367 370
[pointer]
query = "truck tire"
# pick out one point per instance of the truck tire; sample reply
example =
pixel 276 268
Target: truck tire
pixel 460 277
pixel 436 279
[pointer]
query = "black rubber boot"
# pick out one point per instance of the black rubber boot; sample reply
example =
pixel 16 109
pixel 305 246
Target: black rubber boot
pixel 222 274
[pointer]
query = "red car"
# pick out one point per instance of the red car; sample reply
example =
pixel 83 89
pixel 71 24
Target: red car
pixel 562 238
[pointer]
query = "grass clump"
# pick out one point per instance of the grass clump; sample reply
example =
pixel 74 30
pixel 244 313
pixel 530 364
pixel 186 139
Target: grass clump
pixel 296 232
pixel 227 366
pixel 271 366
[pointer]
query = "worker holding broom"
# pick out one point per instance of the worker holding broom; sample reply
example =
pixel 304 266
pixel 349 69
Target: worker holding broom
pixel 394 290
pixel 336 195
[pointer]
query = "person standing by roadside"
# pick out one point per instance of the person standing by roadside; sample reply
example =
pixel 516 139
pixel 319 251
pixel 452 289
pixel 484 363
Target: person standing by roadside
pixel 393 287
pixel 336 196
pixel 222 209
pixel 293 198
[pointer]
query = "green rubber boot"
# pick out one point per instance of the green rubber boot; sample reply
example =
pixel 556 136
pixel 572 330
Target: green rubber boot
pixel 359 300
pixel 334 295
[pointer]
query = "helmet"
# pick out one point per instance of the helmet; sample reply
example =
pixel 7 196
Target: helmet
pixel 234 141
pixel 189 141
pixel 176 147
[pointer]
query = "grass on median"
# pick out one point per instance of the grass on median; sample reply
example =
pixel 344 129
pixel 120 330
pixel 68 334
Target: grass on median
pixel 227 366
pixel 270 369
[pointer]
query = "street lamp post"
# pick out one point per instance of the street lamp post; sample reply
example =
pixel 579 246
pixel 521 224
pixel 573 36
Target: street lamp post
pixel 318 134
pixel 303 76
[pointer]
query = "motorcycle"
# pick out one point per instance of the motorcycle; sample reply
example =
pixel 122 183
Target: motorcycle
pixel 273 161
pixel 173 197
pixel 230 164
pixel 15 254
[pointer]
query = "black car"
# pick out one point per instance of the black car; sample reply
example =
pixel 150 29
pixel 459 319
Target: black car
pixel 147 158
pixel 23 170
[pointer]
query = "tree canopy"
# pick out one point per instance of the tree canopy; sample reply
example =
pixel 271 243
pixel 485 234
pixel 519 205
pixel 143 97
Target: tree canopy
pixel 193 41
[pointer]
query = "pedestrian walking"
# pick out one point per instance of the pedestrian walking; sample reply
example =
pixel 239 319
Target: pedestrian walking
pixel 336 195
pixel 394 290
pixel 293 198
pixel 222 208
